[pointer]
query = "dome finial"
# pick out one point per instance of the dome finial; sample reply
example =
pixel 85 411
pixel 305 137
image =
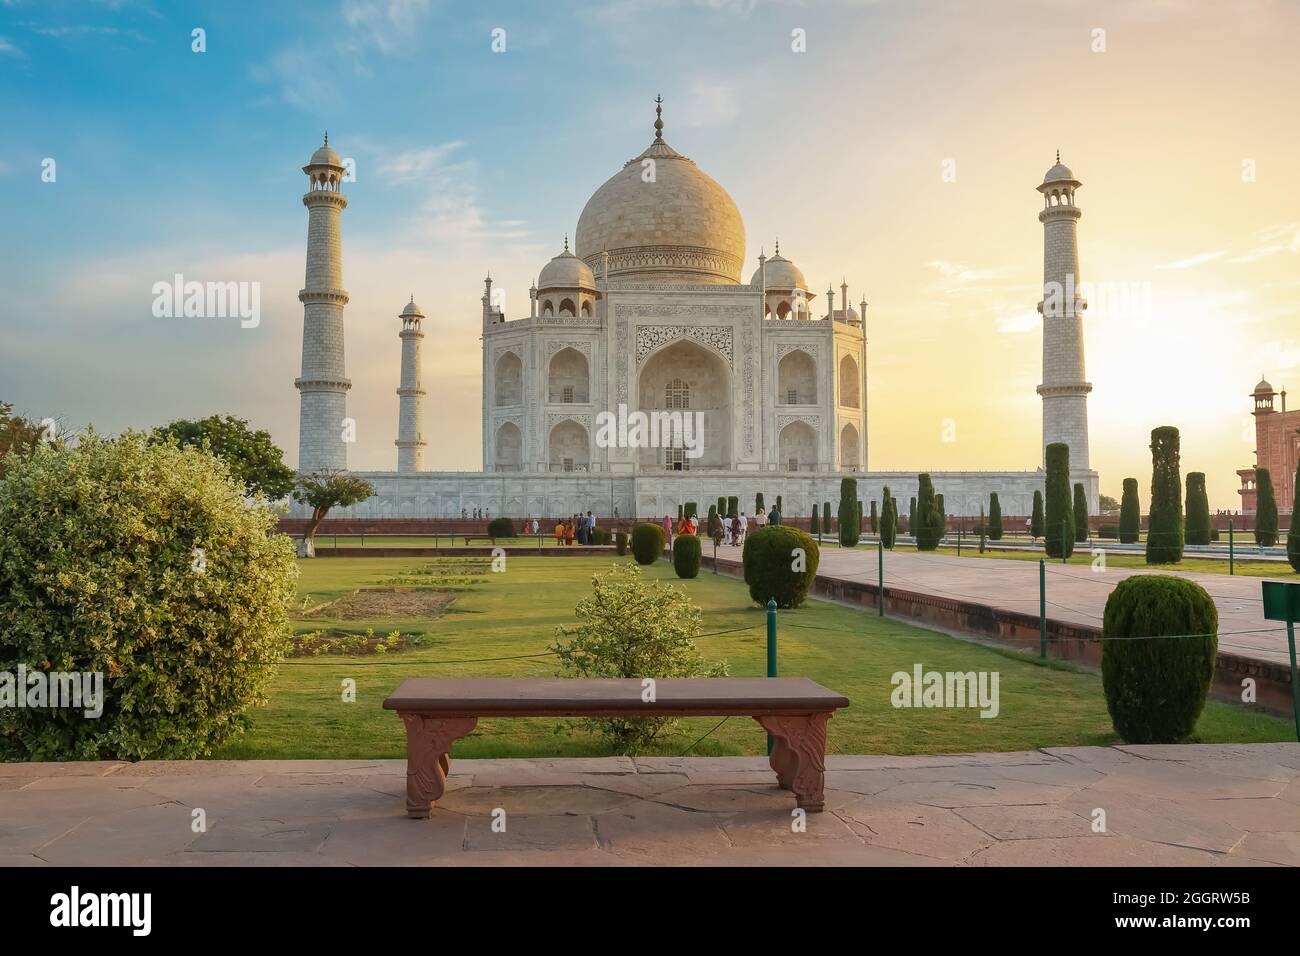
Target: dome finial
pixel 327 137
pixel 566 242
pixel 778 245
pixel 659 118
pixel 1058 155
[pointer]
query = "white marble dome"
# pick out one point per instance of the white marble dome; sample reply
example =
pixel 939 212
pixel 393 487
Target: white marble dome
pixel 681 227
pixel 566 271
pixel 780 274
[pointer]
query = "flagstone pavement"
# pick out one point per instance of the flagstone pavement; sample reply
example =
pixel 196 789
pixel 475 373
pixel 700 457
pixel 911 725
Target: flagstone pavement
pixel 1214 805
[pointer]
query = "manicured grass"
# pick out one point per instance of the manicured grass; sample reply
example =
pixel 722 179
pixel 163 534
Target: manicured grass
pixel 1122 559
pixel 516 613
pixel 426 541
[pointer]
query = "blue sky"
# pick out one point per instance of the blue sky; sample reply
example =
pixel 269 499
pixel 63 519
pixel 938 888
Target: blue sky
pixel 468 160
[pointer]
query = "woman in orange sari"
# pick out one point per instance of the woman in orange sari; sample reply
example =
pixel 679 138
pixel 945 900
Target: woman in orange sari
pixel 559 531
pixel 569 532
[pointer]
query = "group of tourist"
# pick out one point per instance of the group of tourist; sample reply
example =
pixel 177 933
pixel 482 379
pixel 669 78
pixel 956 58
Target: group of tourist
pixel 730 530
pixel 579 527
pixel 485 513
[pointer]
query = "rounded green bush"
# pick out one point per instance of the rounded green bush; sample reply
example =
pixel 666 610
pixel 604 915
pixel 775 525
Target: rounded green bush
pixel 686 556
pixel 1159 641
pixel 647 543
pixel 501 528
pixel 774 569
pixel 142 563
pixel 620 542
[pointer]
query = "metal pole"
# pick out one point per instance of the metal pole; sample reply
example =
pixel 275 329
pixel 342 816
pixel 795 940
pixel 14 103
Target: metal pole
pixel 1232 554
pixel 1042 608
pixel 1295 686
pixel 880 591
pixel 771 650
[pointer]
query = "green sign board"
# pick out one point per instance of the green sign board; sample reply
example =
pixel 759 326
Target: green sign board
pixel 1281 601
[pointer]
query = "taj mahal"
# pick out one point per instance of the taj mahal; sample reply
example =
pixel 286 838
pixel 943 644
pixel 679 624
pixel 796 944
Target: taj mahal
pixel 651 311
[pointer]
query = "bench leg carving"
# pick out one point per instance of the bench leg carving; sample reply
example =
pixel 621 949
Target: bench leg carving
pixel 799 756
pixel 428 744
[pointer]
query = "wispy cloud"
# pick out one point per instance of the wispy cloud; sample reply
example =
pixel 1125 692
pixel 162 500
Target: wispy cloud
pixel 408 165
pixel 7 48
pixel 958 272
pixel 1194 260
pixel 1019 323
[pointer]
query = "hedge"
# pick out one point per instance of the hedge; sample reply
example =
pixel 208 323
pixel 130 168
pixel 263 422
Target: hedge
pixel 772 568
pixel 648 542
pixel 686 556
pixel 501 528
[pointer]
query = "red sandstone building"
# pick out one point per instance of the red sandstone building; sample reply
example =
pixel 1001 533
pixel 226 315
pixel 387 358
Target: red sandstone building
pixel 1277 448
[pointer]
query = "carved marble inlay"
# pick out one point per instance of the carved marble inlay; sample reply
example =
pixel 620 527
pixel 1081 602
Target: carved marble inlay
pixel 554 418
pixel 578 345
pixel 812 348
pixel 716 337
pixel 814 420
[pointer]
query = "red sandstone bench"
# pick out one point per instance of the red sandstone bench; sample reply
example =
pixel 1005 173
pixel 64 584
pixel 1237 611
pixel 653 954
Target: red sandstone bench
pixel 439 711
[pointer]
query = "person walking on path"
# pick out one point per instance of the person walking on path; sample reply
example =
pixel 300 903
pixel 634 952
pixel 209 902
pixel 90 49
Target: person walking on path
pixel 668 531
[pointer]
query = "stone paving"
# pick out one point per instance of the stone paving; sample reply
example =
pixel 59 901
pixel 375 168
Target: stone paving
pixel 1214 805
pixel 1075 593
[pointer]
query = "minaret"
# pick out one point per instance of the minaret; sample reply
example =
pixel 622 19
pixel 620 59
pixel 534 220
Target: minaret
pixel 410 406
pixel 323 386
pixel 1064 389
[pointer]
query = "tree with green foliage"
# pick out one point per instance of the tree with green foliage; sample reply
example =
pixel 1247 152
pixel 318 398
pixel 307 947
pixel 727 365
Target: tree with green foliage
pixel 143 563
pixel 758 504
pixel 250 455
pixel 733 507
pixel 941 509
pixel 692 509
pixel 1058 533
pixel 1165 523
pixel 911 517
pixel 686 556
pixel 20 436
pixel 1198 509
pixel 1159 646
pixel 816 526
pixel 780 563
pixel 648 542
pixel 779 508
pixel 850 525
pixel 629 628
pixel 888 520
pixel 928 526
pixel 995 518
pixel 827 526
pixel 332 488
pixel 983 530
pixel 1080 513
pixel 1265 509
pixel 875 518
pixel 1036 516
pixel 722 507
pixel 1107 505
pixel 1130 513
pixel 1293 532
pixel 680 512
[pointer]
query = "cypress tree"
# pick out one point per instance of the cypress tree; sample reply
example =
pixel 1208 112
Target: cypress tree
pixel 826 517
pixel 1036 519
pixel 941 510
pixel 850 523
pixel 983 530
pixel 1058 518
pixel 888 520
pixel 779 509
pixel 1080 513
pixel 1293 533
pixel 1130 514
pixel 680 509
pixel 722 507
pixel 1198 509
pixel 816 526
pixel 928 527
pixel 911 517
pixel 758 503
pixel 995 518
pixel 875 519
pixel 692 509
pixel 733 506
pixel 1265 509
pixel 1165 525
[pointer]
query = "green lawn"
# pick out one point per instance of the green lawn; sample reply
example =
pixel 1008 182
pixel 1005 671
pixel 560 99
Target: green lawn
pixel 516 612
pixel 477 540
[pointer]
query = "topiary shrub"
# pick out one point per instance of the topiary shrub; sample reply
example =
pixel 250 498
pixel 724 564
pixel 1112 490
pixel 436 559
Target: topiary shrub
pixel 631 628
pixel 1265 509
pixel 1293 532
pixel 692 509
pixel 620 542
pixel 850 517
pixel 1108 531
pixel 1155 689
pixel 758 503
pixel 875 518
pixel 141 563
pixel 1130 515
pixel 501 528
pixel 815 526
pixel 648 542
pixel 827 527
pixel 928 527
pixel 686 556
pixel 888 520
pixel 995 518
pixel 733 506
pixel 1165 522
pixel 1198 510
pixel 1036 516
pixel 1080 513
pixel 780 564
pixel 600 535
pixel 1058 532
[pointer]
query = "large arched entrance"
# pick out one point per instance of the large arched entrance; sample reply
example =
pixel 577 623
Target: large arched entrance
pixel 688 379
pixel 798 447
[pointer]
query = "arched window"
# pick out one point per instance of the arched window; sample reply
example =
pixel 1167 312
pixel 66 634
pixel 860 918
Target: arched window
pixel 548 308
pixel 566 307
pixel 677 394
pixel 586 310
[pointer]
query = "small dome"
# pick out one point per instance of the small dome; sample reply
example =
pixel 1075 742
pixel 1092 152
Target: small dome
pixel 1060 173
pixel 566 271
pixel 1263 388
pixel 780 274
pixel 325 155
pixel 852 316
pixel 412 310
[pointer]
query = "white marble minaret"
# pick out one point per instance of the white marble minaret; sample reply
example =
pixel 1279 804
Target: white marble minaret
pixel 1064 389
pixel 323 385
pixel 410 405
